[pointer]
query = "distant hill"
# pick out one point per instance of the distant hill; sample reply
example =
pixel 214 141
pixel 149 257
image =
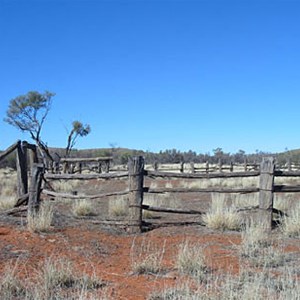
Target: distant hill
pixel 293 155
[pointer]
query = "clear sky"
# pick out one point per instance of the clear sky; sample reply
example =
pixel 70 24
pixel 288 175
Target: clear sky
pixel 156 75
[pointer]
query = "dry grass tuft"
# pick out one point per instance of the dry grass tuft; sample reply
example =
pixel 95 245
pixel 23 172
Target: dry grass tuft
pixel 260 285
pixel 66 186
pixel 290 225
pixel 7 203
pixel 8 188
pixel 257 248
pixel 118 207
pixel 55 279
pixel 222 217
pixel 146 258
pixel 191 260
pixel 253 237
pixel 181 291
pixel 41 221
pixel 81 208
pixel 11 287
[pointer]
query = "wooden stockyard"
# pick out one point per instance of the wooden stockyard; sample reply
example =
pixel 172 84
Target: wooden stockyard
pixel 29 196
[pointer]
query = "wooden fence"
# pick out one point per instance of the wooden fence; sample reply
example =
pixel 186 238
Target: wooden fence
pixel 136 175
pixel 76 165
pixel 136 189
pixel 191 167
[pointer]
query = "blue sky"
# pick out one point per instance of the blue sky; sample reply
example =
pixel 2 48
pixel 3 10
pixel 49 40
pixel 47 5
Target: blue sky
pixel 157 75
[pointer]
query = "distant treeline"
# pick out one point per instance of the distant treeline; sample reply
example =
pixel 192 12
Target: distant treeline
pixel 120 156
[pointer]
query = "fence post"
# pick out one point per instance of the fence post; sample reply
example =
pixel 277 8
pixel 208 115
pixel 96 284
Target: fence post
pixel 207 167
pixel 192 167
pixel 220 165
pixel 181 164
pixel 266 183
pixel 289 164
pixel 65 167
pixel 35 188
pixel 22 169
pixel 245 165
pixel 79 167
pixel 100 166
pixel 106 165
pixel 136 185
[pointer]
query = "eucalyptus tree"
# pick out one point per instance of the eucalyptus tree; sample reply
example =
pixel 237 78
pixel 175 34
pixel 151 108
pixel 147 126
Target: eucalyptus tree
pixel 78 130
pixel 28 113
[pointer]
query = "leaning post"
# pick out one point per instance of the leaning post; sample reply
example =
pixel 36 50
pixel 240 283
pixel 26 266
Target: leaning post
pixel 35 188
pixel 22 169
pixel 136 185
pixel 266 187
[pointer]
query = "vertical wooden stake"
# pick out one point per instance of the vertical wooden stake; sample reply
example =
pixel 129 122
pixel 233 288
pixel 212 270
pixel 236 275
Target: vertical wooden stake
pixel 107 166
pixel 72 168
pixel 266 183
pixel 245 165
pixel 220 165
pixel 65 167
pixel 207 167
pixel 231 166
pixel 22 169
pixel 136 185
pixel 35 188
pixel 289 164
pixel 192 167
pixel 79 167
pixel 181 167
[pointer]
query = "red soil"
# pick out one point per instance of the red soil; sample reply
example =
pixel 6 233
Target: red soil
pixel 108 255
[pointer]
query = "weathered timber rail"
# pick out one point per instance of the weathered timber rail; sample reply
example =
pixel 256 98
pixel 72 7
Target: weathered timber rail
pixel 199 175
pixel 86 176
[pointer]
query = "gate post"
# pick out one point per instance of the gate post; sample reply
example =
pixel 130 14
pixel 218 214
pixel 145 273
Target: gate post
pixel 136 186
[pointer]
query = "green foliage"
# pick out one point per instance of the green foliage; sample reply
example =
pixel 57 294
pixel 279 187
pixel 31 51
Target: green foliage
pixel 102 152
pixel 28 112
pixel 78 130
pixel 124 157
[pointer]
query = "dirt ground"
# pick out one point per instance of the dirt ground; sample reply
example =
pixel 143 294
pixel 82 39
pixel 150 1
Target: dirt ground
pixel 108 250
pixel 89 246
